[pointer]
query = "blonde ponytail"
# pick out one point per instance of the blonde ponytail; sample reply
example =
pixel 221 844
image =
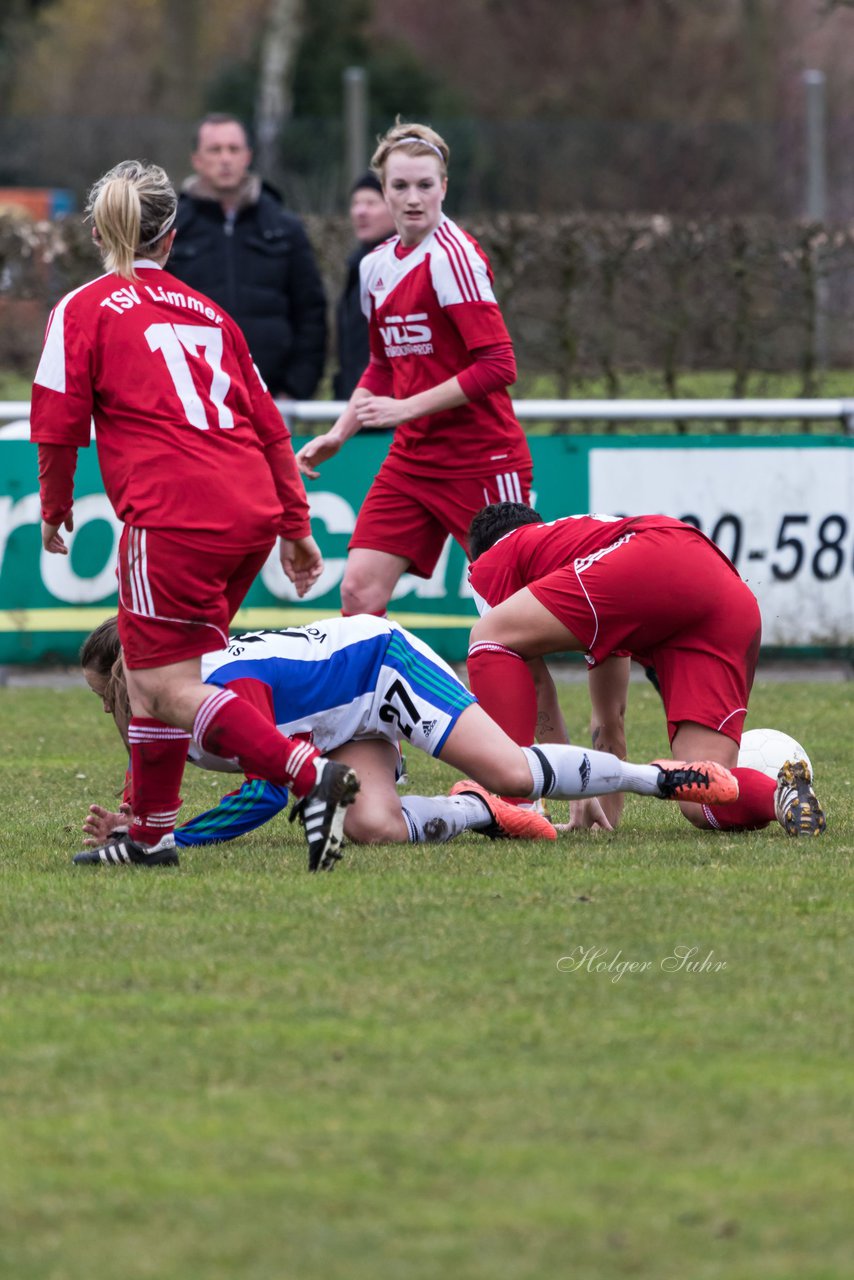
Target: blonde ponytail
pixel 132 206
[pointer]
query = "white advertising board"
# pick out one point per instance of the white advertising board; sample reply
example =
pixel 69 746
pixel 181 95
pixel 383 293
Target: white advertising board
pixel 785 516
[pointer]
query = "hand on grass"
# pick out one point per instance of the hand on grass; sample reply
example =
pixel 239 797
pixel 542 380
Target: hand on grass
pixel 586 815
pixel 101 823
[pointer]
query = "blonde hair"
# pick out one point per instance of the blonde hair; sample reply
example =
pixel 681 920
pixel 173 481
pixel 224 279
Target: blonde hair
pixel 415 140
pixel 132 206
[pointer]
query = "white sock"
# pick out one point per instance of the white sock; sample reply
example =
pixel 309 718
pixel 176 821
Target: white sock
pixel 436 819
pixel 573 773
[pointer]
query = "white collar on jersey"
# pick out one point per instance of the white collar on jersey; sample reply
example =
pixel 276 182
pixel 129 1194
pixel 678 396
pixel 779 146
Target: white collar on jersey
pixel 147 262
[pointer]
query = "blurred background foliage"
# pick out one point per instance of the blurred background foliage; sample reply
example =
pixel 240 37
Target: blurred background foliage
pixel 689 106
pixel 634 168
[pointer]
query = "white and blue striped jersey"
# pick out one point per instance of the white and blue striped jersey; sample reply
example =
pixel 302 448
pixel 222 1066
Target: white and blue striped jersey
pixel 343 679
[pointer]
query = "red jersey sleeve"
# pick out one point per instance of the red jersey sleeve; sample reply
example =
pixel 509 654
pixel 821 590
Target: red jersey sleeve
pixel 495 576
pixel 295 521
pixel 479 324
pixel 57 463
pixel 266 418
pixel 377 378
pixel 61 409
pixel 278 450
pixel 494 368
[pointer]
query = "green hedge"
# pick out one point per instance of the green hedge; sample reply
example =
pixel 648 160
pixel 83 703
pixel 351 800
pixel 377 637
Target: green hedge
pixel 585 295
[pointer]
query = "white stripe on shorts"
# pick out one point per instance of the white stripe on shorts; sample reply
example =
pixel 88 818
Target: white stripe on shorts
pixel 509 487
pixel 140 587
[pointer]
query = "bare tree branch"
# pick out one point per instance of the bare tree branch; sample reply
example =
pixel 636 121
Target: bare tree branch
pixel 273 104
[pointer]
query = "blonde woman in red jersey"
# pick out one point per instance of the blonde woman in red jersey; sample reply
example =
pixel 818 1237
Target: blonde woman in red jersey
pixel 198 465
pixel 441 362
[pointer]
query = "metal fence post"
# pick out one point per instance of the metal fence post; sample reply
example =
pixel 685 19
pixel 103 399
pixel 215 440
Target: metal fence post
pixel 816 198
pixel 355 122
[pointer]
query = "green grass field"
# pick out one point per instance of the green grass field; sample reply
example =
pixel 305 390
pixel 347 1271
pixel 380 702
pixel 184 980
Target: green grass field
pixel 236 1071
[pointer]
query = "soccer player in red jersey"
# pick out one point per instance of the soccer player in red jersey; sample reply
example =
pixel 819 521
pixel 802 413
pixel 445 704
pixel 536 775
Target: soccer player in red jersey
pixel 441 362
pixel 198 465
pixel 648 587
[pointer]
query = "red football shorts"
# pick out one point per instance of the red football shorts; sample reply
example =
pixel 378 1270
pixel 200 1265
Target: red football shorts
pixel 411 516
pixel 177 599
pixel 668 598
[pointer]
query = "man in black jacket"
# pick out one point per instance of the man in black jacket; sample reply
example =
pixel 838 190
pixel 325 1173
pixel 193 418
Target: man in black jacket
pixel 238 244
pixel 372 223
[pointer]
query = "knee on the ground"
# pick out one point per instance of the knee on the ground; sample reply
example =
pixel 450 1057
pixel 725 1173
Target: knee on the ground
pixel 380 826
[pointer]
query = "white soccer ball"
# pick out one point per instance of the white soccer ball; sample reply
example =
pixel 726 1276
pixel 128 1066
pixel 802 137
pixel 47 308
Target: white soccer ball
pixel 768 750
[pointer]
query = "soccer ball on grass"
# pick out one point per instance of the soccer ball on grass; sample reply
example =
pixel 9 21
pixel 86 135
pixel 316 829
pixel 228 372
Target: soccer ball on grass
pixel 768 750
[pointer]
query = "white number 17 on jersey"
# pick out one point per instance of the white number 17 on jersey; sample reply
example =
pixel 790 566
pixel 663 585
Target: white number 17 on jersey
pixel 176 342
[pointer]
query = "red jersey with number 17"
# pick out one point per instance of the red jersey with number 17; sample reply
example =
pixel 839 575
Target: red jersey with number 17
pixel 429 309
pixel 181 414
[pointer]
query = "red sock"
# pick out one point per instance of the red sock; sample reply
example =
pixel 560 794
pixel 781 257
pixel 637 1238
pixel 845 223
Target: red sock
pixel 501 681
pixel 754 807
pixel 229 726
pixel 158 753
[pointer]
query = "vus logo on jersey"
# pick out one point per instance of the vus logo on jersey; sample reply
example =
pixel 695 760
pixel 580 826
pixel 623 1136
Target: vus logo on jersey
pixel 406 336
pixel 584 772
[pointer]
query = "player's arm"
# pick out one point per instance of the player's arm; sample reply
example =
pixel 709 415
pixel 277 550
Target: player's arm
pixel 237 813
pixel 586 815
pixel 299 554
pixel 551 726
pixel 57 464
pixel 60 420
pixel 493 367
pixel 608 686
pixel 375 381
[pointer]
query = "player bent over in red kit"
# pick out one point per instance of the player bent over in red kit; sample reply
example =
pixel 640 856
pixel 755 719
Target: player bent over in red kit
pixel 647 587
pixel 198 465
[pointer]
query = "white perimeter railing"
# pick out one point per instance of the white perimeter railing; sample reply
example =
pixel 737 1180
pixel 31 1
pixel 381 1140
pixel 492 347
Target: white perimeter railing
pixel 15 413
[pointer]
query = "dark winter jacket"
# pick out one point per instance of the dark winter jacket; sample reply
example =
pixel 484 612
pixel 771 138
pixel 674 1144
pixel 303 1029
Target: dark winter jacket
pixel 260 267
pixel 351 329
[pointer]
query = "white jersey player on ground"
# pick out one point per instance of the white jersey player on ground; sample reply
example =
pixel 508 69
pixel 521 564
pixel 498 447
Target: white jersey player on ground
pixel 356 688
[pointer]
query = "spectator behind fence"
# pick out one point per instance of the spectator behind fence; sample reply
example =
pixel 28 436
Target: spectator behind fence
pixel 372 223
pixel 237 243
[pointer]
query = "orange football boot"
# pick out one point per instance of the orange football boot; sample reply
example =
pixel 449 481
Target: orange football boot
pixel 509 821
pixel 696 781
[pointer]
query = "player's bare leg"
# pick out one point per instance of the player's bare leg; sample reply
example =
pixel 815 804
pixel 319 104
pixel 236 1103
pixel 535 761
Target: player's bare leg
pixel 369 579
pixel 376 816
pixel 694 741
pixel 381 815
